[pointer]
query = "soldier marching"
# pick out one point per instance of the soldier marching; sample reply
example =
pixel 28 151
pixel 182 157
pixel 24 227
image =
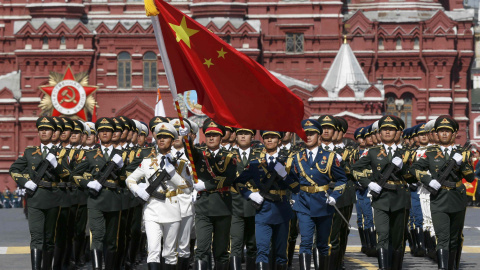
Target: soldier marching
pixel 234 203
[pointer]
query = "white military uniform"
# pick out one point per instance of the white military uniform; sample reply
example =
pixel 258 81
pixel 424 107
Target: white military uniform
pixel 186 209
pixel 424 195
pixel 162 217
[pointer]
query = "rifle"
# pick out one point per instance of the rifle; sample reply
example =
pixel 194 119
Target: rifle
pixel 108 171
pixel 264 189
pixel 44 169
pixel 159 179
pixel 388 173
pixel 447 170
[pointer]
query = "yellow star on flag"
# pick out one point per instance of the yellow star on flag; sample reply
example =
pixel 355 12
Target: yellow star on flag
pixel 221 53
pixel 208 62
pixel 183 32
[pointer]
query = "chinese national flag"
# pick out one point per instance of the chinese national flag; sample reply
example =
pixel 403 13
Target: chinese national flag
pixel 233 89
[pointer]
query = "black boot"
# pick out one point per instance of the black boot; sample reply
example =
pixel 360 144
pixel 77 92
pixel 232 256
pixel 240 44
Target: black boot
pixel 442 256
pixel 200 265
pixel 47 260
pixel 372 236
pixel 110 258
pixel 154 266
pixel 281 266
pixel 334 257
pixel 397 260
pixel 183 263
pixel 36 258
pixel 262 266
pixel 57 258
pixel 452 260
pixel 250 263
pixel 96 258
pixel 411 241
pixel 382 259
pixel 290 253
pixel 361 233
pixel 316 259
pixel 305 261
pixel 235 263
pixel 85 255
pixel 224 266
pixel 420 242
pixel 433 252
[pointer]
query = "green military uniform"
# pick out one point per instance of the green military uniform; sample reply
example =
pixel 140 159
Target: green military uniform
pixel 390 207
pixel 213 207
pixel 44 205
pixel 340 230
pixel 103 209
pixel 448 206
pixel 242 231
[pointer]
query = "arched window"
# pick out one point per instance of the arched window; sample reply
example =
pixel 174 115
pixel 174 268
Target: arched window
pixel 380 44
pixel 62 42
pixel 45 43
pixel 416 43
pixel 124 73
pixel 398 45
pixel 149 70
pixel 401 107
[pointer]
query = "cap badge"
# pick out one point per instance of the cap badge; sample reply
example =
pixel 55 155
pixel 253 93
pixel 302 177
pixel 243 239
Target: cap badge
pixel 45 120
pixel 445 121
pixel 212 124
pixel 327 118
pixel 388 119
pixel 157 120
pixel 308 123
pixel 104 121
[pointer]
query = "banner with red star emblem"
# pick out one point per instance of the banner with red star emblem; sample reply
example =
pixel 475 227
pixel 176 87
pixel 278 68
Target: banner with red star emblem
pixel 233 89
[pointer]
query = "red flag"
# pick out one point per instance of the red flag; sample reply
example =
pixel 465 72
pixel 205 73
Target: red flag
pixel 233 89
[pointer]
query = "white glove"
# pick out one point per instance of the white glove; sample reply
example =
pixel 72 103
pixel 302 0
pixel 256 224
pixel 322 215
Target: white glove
pixel 31 185
pixel 142 193
pixel 200 186
pixel 458 158
pixel 375 187
pixel 142 185
pixel 256 197
pixel 280 170
pixel 339 157
pixel 398 162
pixel 170 169
pixel 52 159
pixel 331 201
pixel 434 184
pixel 183 131
pixel 94 185
pixel 118 160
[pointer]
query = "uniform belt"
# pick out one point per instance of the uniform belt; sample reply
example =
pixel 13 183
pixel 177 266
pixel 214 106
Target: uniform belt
pixel 220 190
pixel 62 185
pixel 457 184
pixel 314 189
pixel 180 191
pixel 163 195
pixel 278 192
pixel 112 184
pixel 401 182
pixel 47 184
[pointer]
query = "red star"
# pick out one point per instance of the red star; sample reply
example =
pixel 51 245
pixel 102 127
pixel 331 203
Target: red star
pixel 48 89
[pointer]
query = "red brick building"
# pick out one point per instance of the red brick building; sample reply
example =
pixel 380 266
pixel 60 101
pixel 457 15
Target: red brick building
pixel 410 58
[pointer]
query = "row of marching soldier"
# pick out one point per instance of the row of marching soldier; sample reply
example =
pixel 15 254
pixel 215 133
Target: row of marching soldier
pixel 241 201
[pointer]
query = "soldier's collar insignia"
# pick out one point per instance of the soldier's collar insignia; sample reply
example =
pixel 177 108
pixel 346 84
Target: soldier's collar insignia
pixel 104 121
pixel 445 121
pixel 44 120
pixel 327 118
pixel 308 124
pixel 388 119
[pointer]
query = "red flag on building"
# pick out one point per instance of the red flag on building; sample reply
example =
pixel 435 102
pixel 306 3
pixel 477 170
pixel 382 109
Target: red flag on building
pixel 233 89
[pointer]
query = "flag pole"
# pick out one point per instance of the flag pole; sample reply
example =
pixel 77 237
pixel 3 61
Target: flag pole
pixel 173 87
